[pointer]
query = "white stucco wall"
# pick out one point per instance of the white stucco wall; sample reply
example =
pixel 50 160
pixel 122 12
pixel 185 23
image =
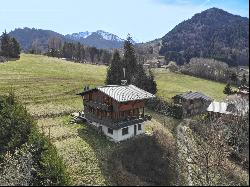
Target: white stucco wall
pixel 130 134
pixel 117 134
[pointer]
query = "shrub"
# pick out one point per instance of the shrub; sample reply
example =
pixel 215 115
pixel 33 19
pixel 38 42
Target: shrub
pixel 50 167
pixel 16 124
pixel 176 111
pixel 27 156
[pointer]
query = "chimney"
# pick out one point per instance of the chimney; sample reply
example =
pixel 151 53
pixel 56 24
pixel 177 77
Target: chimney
pixel 86 88
pixel 124 82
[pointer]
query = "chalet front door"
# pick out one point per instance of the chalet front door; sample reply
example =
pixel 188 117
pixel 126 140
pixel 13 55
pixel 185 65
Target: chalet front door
pixel 135 129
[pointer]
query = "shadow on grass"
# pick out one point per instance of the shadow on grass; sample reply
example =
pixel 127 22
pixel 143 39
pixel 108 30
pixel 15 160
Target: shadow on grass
pixel 141 161
pixel 6 60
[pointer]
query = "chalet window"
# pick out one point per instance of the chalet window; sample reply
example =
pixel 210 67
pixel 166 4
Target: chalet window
pixel 110 131
pixel 125 131
pixel 90 97
pixel 139 127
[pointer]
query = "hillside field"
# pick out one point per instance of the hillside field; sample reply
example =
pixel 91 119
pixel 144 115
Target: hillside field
pixel 44 80
pixel 48 86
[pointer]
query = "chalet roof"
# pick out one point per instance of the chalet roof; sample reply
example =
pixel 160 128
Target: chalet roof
pixel 122 93
pixel 194 95
pixel 125 93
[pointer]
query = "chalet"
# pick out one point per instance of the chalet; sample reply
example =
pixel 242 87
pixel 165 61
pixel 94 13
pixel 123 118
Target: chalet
pixel 117 111
pixel 237 107
pixel 192 103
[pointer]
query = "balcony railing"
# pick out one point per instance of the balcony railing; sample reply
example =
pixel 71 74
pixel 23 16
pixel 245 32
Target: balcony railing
pixel 96 104
pixel 116 124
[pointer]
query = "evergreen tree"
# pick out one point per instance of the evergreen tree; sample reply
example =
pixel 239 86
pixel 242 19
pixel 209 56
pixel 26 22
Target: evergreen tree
pixel 115 70
pixel 82 53
pixel 135 73
pixel 92 53
pixel 5 45
pixel 145 81
pixel 243 80
pixel 234 77
pixel 78 52
pixel 106 57
pixel 15 49
pixel 129 60
pixel 152 83
pixel 228 90
pixel 9 46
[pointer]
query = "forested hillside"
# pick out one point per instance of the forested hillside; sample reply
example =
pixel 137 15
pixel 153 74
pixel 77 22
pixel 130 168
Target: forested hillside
pixel 213 33
pixel 35 38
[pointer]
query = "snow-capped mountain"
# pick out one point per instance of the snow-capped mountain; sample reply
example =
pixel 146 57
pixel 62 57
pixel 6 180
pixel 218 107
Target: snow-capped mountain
pixel 79 35
pixel 99 39
pixel 105 35
pixel 109 36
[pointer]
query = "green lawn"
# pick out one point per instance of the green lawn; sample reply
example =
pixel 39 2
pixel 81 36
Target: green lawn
pixel 48 87
pixel 169 84
pixel 43 80
pixel 40 81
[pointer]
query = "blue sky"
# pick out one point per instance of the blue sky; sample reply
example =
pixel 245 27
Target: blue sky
pixel 145 20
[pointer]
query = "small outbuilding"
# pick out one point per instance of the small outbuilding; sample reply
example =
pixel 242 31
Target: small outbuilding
pixel 192 103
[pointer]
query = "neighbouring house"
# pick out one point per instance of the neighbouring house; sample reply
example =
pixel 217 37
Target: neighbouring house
pixel 155 62
pixel 235 106
pixel 172 66
pixel 117 111
pixel 243 92
pixel 192 103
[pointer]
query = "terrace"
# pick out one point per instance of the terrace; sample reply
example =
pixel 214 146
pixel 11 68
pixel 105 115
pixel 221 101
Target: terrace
pixel 117 124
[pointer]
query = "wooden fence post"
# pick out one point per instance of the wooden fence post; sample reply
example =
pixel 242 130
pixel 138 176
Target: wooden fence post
pixel 49 132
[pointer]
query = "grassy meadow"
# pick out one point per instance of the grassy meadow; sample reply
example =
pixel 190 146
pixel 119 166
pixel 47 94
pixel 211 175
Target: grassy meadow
pixel 169 84
pixel 48 86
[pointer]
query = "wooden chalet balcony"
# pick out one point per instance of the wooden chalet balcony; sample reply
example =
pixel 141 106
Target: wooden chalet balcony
pixel 98 105
pixel 116 124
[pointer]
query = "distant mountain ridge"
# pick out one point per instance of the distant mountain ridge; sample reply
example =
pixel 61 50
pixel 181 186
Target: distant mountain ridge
pixel 213 33
pixel 103 34
pixel 99 39
pixel 28 37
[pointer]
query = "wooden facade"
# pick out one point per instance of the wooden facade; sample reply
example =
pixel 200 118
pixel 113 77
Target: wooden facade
pixel 100 106
pixel 192 103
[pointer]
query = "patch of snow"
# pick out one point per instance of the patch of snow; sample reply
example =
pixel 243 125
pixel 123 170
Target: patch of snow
pixel 81 35
pixel 109 36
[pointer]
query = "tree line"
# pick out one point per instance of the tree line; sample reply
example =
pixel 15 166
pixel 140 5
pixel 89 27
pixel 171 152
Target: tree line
pixel 77 52
pixel 213 70
pixel 10 48
pixel 134 71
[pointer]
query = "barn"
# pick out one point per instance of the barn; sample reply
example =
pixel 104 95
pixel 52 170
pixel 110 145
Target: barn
pixel 192 103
